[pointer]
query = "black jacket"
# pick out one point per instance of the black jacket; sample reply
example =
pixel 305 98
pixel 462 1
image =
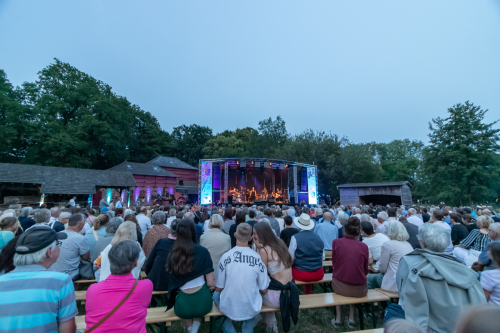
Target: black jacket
pixel 155 265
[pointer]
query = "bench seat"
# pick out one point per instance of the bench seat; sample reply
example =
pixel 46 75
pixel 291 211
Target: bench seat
pixel 326 278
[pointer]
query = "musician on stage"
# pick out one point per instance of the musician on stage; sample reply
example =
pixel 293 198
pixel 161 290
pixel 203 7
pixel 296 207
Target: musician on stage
pixel 253 195
pixel 264 193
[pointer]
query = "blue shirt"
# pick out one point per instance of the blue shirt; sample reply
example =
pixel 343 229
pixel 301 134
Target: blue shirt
pixel 89 236
pixel 328 232
pixel 483 257
pixel 33 299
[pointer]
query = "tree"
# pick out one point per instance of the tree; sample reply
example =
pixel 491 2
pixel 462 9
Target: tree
pixel 188 142
pixel 231 143
pixel 461 164
pixel 273 136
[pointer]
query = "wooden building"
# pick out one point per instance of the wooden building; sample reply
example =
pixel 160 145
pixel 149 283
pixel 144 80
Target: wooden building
pixel 376 193
pixel 187 175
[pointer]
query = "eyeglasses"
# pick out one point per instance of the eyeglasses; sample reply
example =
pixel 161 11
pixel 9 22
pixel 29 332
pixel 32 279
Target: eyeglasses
pixel 58 243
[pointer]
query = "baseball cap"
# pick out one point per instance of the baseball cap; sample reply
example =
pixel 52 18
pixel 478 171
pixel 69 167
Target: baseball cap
pixel 37 238
pixel 104 209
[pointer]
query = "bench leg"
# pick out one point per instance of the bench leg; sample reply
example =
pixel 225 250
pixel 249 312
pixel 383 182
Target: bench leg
pixel 375 310
pixel 360 313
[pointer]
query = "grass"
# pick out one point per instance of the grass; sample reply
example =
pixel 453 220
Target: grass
pixel 310 320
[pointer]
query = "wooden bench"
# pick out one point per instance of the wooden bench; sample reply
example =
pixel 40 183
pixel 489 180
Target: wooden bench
pixel 327 278
pixel 327 263
pixel 158 315
pixel 389 294
pixel 377 330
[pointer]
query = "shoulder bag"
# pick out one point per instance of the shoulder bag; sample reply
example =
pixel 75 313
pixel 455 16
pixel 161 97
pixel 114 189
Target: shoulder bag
pixel 114 310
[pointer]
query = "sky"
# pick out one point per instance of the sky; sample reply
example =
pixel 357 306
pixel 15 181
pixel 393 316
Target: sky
pixel 369 70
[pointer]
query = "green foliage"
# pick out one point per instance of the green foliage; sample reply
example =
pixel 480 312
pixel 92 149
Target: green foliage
pixel 236 143
pixel 461 164
pixel 188 142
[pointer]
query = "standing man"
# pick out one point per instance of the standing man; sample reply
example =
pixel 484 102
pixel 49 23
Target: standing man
pixel 73 248
pixel 118 203
pixel 413 218
pixel 103 203
pixel 72 202
pixel 240 266
pixel 35 299
pixel 328 232
pixel 143 221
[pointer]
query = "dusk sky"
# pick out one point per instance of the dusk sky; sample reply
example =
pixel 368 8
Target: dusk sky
pixel 369 70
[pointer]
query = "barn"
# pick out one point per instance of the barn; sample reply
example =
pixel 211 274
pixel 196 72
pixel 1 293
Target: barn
pixel 376 193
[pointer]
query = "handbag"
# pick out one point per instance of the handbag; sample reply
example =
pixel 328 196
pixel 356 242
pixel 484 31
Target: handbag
pixel 86 270
pixel 103 319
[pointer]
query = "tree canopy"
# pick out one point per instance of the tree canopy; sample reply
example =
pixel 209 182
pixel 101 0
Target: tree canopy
pixel 68 118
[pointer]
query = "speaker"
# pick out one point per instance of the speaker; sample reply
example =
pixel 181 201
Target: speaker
pixel 257 201
pixel 271 200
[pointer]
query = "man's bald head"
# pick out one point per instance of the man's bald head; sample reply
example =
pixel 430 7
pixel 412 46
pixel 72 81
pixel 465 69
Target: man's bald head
pixel 327 216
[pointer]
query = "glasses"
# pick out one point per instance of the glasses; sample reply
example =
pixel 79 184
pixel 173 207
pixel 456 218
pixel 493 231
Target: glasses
pixel 58 243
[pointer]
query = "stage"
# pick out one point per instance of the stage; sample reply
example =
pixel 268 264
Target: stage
pixel 256 181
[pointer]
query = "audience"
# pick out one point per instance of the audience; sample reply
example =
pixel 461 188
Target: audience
pixel 374 241
pixel 382 219
pixel 156 262
pixel 484 262
pixel 401 326
pixel 413 218
pixel 104 296
pixel 215 241
pixel 171 216
pixel 8 229
pixel 471 247
pixel 133 218
pixel 287 233
pixel 306 249
pixel 25 218
pixel 434 288
pixel 349 267
pixel 157 232
pixel 327 231
pixel 62 222
pixel 73 249
pixel 480 319
pixel 228 220
pixel 41 217
pixel 143 221
pixel 275 225
pixel 391 253
pixel 240 266
pixel 33 298
pixel 189 264
pixel 240 218
pixel 98 230
pixel 458 230
pixel 7 256
pixel 412 231
pixel 437 219
pixel 274 255
pixel 126 231
pixel 105 240
pixel 490 280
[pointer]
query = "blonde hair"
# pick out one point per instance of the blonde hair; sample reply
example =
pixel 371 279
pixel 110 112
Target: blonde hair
pixel 215 221
pixel 397 231
pixel 126 231
pixel 484 221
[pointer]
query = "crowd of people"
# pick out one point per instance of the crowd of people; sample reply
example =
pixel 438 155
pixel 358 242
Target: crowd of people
pixel 439 259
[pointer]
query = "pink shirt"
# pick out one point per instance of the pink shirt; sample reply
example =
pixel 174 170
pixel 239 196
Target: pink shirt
pixel 102 297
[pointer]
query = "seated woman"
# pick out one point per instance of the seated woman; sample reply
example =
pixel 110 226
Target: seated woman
pixel 275 256
pixel 240 218
pixel 155 233
pixel 189 264
pixel 391 253
pixel 471 247
pixel 104 296
pixel 350 267
pixel 155 265
pixel 215 241
pixel 133 218
pixel 458 230
pixel 126 231
pixel 434 288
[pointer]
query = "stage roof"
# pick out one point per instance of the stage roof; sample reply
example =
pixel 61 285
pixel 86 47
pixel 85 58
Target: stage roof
pixel 55 180
pixel 248 159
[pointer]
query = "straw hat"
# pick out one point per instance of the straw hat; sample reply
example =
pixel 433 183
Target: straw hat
pixel 304 222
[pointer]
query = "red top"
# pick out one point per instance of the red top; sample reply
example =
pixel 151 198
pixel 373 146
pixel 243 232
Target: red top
pixel 350 260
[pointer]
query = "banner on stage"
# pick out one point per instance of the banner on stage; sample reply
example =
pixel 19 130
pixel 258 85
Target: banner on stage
pixel 311 186
pixel 206 183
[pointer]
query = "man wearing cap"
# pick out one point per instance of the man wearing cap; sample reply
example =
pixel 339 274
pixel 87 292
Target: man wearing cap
pixel 35 299
pixel 307 251
pixel 240 280
pixel 103 203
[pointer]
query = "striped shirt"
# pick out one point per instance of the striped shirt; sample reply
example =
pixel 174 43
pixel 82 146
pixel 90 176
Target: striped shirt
pixel 33 299
pixel 476 240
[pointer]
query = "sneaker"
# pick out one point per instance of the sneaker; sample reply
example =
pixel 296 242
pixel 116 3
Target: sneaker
pixel 336 323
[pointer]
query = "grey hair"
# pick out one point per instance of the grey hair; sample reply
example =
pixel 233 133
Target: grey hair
pixel 26 211
pixel 342 218
pixel 383 216
pixel 54 210
pixel 33 258
pixel 113 225
pixel 495 227
pixel 412 211
pixel 434 237
pixel 319 211
pixel 172 212
pixel 484 221
pixel 122 256
pixel 357 211
pixel 365 218
pixel 158 217
pixel 42 215
pixel 215 221
pixel 397 231
pixel 64 215
pixel 126 231
pixel 265 221
pixel 128 211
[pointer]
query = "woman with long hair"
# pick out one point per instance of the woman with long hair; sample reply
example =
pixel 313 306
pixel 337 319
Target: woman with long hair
pixel 458 230
pixel 278 261
pixel 133 218
pixel 97 231
pixel 240 218
pixel 228 220
pixel 191 277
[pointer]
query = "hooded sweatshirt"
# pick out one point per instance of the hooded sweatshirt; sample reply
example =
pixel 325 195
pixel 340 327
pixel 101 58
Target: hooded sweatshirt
pixel 434 289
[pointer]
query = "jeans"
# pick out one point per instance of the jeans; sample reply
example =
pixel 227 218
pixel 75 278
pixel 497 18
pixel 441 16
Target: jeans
pixel 228 327
pixel 374 281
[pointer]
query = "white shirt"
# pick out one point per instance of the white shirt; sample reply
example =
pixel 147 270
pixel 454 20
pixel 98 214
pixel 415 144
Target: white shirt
pixel 169 221
pixel 490 280
pixel 381 228
pixel 118 204
pixel 242 275
pixel 144 223
pixel 375 247
pixel 414 219
pixel 293 247
pixel 72 203
pixel 205 227
pixel 449 249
